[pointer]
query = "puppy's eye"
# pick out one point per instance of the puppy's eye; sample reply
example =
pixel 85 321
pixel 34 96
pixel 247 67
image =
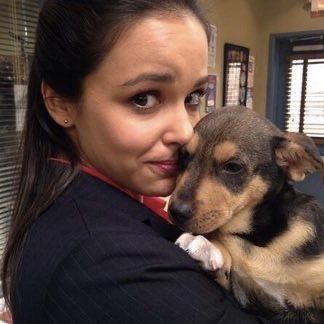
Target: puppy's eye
pixel 184 159
pixel 232 167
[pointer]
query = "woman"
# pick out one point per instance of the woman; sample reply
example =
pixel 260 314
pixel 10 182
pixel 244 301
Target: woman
pixel 114 92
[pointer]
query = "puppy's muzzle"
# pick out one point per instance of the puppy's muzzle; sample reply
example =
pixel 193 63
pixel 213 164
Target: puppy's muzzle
pixel 181 211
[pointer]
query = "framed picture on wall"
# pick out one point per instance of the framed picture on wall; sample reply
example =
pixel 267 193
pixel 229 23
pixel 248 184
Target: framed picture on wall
pixel 236 60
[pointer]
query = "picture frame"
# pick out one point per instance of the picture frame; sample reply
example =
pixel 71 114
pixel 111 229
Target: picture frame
pixel 236 61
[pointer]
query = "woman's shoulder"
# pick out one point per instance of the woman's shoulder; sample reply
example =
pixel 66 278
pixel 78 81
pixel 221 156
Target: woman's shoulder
pixel 88 215
pixel 87 208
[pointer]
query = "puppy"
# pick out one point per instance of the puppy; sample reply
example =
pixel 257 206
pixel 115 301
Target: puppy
pixel 267 240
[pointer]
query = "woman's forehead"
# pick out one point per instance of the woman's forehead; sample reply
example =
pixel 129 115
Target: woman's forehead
pixel 166 45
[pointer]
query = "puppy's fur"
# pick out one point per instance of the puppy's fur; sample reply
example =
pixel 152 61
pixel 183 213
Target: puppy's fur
pixel 234 188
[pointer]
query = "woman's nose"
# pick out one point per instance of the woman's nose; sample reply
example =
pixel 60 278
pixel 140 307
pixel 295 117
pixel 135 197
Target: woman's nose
pixel 180 127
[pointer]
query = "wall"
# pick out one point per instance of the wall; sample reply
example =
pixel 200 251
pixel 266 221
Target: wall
pixel 280 16
pixel 237 22
pixel 250 23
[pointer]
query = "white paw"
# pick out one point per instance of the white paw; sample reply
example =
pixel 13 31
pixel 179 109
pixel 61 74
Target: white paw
pixel 201 250
pixel 184 240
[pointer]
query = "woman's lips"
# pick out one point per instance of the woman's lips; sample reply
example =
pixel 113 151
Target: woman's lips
pixel 168 167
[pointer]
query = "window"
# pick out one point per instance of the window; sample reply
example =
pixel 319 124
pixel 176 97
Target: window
pixel 18 19
pixel 233 84
pixel 305 96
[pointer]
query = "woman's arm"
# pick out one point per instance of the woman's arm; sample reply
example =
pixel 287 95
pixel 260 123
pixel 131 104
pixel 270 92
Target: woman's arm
pixel 136 278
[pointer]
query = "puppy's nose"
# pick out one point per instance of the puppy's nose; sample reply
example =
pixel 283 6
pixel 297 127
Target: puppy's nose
pixel 181 210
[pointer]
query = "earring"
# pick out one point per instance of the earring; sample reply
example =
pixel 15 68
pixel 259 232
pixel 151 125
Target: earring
pixel 66 121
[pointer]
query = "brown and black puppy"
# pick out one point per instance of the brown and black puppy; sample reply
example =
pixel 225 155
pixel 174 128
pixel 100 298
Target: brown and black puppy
pixel 267 239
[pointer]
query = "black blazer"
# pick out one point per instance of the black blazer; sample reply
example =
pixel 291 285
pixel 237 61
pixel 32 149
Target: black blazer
pixel 98 256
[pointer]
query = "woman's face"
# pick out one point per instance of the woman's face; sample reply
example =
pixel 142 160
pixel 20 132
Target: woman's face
pixel 142 102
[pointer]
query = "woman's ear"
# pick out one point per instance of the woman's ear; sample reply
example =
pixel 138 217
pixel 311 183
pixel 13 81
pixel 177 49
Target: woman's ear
pixel 60 109
pixel 297 155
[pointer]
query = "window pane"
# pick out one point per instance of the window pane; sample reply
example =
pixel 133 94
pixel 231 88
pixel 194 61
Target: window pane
pixel 314 102
pixel 305 98
pixel 294 95
pixel 233 84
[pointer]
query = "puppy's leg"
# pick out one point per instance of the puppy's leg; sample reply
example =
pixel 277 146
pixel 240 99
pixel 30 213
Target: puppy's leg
pixel 200 249
pixel 212 256
pixel 223 276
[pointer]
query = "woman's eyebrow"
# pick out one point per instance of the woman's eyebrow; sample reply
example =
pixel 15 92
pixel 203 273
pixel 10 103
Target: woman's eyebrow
pixel 156 77
pixel 159 77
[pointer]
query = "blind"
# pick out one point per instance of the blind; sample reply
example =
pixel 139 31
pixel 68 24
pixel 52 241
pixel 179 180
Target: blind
pixel 314 99
pixel 305 96
pixel 18 19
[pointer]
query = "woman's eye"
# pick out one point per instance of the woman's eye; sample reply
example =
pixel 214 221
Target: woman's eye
pixel 145 100
pixel 233 167
pixel 194 98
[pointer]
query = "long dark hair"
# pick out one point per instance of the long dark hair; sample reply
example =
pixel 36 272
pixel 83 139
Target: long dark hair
pixel 72 38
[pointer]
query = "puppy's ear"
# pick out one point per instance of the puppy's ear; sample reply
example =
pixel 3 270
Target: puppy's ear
pixel 297 155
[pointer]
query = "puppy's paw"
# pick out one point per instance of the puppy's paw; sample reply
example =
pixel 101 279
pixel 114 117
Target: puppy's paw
pixel 203 251
pixel 184 240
